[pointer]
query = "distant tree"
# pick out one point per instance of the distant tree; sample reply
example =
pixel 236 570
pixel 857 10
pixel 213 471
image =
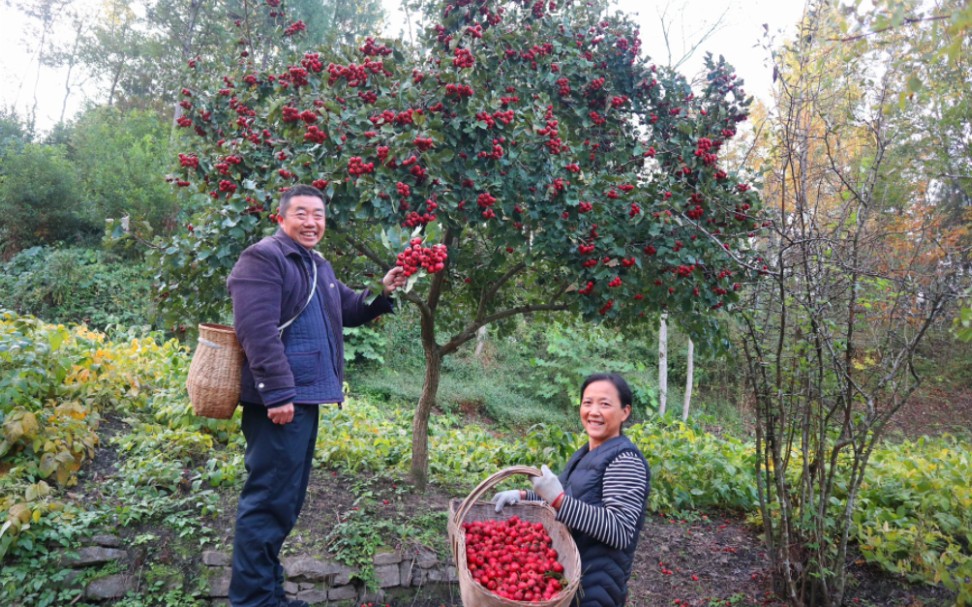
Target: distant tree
pixel 116 155
pixel 138 48
pixel 40 202
pixel 860 262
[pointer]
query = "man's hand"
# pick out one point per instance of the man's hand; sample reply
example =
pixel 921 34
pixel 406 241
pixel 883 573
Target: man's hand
pixel 393 279
pixel 284 414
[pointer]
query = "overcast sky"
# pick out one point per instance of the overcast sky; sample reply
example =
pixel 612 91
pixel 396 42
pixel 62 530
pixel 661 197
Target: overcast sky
pixel 737 38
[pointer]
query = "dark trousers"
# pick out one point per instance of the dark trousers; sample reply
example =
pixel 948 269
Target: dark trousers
pixel 278 462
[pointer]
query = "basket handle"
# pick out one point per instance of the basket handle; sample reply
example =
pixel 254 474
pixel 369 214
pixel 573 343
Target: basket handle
pixel 487 484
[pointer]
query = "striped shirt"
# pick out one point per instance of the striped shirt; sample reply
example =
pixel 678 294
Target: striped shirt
pixel 623 494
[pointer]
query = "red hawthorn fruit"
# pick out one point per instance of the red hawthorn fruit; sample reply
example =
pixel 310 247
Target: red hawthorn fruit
pixel 415 257
pixel 513 559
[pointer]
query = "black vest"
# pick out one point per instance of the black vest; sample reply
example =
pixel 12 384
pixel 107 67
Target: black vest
pixel 605 570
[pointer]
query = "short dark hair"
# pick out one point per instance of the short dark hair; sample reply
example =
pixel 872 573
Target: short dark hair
pixel 300 190
pixel 624 390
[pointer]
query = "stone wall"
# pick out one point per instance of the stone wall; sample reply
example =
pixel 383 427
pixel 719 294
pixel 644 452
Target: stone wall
pixel 318 582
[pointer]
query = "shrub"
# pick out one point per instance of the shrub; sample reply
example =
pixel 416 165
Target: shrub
pixel 77 285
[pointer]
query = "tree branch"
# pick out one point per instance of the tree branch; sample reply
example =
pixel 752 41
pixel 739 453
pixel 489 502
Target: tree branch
pixel 906 21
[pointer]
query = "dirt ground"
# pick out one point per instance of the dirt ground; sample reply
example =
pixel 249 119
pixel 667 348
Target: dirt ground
pixel 933 411
pixel 707 560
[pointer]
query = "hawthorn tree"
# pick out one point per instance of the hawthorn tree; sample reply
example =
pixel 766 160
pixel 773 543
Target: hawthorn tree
pixel 560 169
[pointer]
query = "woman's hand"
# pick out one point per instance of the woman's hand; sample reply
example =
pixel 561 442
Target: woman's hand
pixel 506 498
pixel 548 486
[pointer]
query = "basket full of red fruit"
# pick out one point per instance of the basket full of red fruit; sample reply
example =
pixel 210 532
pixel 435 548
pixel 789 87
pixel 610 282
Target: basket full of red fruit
pixel 520 556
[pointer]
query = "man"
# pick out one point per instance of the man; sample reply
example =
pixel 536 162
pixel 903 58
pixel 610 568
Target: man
pixel 286 375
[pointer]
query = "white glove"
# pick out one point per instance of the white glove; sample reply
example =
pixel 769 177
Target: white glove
pixel 506 498
pixel 547 485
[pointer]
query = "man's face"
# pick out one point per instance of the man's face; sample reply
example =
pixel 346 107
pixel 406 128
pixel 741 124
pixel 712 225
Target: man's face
pixel 304 220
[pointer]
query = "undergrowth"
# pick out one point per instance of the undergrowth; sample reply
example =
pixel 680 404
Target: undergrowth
pixel 59 385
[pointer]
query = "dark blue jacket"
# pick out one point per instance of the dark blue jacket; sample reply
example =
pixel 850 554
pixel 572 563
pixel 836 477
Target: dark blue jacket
pixel 604 580
pixel 269 284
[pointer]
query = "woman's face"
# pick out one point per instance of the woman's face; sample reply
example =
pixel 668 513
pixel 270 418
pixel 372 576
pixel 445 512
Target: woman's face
pixel 601 412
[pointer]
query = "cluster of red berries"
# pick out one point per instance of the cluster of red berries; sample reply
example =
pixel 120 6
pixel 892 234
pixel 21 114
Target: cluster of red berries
pixel 372 49
pixel 312 62
pixel 356 166
pixel 292 114
pixel 190 161
pixel 458 90
pixel 554 143
pixel 415 256
pixel 702 151
pixel 314 134
pixel 537 10
pixel 355 75
pixel 463 58
pixel 414 219
pixel 740 212
pixel 486 200
pixel 423 143
pixel 513 559
pixel 293 28
pixel 684 270
pixel 295 75
pixel 496 153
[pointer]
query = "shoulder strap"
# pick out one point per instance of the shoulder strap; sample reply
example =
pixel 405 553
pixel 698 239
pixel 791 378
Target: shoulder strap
pixel 306 303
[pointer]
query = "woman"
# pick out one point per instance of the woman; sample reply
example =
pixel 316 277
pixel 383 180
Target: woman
pixel 601 494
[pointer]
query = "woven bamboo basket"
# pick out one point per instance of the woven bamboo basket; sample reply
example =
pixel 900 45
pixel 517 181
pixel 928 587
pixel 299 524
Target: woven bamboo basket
pixel 471 509
pixel 214 373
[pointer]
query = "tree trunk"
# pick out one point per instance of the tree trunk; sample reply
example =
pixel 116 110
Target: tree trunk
pixel 481 335
pixel 662 364
pixel 689 379
pixel 419 473
pixel 72 61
